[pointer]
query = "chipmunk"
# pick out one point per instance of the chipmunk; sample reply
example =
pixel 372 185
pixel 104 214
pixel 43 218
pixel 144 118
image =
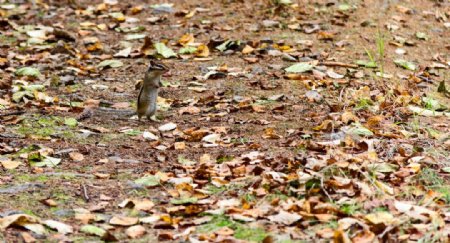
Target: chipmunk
pixel 148 94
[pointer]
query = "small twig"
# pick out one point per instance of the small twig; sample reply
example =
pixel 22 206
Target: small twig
pixel 12 113
pixel 389 228
pixel 324 190
pixel 339 64
pixel 85 193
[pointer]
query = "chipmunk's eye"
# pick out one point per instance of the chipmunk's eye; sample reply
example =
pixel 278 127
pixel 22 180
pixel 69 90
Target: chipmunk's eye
pixel 156 66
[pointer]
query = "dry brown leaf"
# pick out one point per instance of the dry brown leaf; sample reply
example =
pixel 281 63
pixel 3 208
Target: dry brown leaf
pixel 284 217
pixel 189 110
pixel 147 49
pixel 247 49
pixel 123 220
pixel 76 157
pixel 135 232
pixel 269 133
pixel 348 117
pixel 9 164
pixel 179 145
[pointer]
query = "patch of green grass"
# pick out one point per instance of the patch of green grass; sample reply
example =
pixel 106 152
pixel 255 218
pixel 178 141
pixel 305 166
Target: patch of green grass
pixel 46 126
pixel 379 39
pixel 133 132
pixel 445 193
pixel 28 178
pixel 224 158
pixel 217 223
pixel 250 234
pixel 60 196
pixel 363 104
pixel 332 224
pixel 40 132
pixel 429 178
pixel 9 40
pixel 350 209
pixel 249 197
pixel 241 231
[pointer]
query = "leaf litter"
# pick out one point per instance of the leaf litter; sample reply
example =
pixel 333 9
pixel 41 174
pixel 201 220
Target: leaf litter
pixel 279 121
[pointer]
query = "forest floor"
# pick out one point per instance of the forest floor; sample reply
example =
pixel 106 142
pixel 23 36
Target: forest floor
pixel 279 121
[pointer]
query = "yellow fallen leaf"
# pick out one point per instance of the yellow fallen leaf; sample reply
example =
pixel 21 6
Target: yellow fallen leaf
pixel 202 51
pixel 186 39
pixel 381 217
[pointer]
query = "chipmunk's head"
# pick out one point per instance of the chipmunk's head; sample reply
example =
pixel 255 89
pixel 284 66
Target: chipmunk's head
pixel 156 69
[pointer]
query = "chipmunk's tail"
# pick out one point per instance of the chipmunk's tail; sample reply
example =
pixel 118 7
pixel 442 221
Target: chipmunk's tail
pixel 105 112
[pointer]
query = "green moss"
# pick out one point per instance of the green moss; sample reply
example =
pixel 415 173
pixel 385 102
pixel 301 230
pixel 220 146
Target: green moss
pixel 31 178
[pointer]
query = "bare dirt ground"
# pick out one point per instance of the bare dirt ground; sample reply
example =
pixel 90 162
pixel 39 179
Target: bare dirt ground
pixel 352 144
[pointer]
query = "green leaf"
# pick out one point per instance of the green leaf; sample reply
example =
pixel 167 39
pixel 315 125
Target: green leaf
pixel 17 96
pixel 300 67
pixel 184 200
pixel 131 30
pixel 44 160
pixel 187 50
pixel 446 169
pixel 28 71
pixel 93 230
pixel 344 7
pixel 421 36
pixel 117 15
pixel 133 132
pixel 217 223
pixel 135 36
pixel 71 122
pixel 223 47
pixel 33 87
pixel 149 180
pixel 185 161
pixel 405 64
pixel 367 64
pixel 110 63
pixel 432 104
pixel 164 51
pixel 358 129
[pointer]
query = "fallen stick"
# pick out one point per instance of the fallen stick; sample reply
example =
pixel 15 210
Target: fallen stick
pixel 339 64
